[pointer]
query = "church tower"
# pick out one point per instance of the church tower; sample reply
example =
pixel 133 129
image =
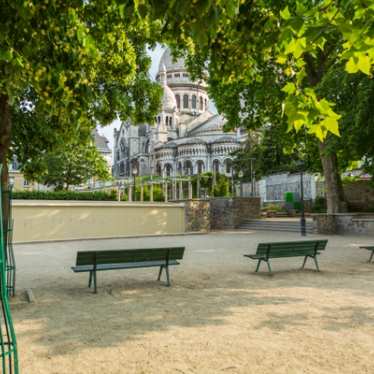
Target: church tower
pixel 166 126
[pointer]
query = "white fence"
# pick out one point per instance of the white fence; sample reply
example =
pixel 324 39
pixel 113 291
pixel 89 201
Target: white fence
pixel 274 187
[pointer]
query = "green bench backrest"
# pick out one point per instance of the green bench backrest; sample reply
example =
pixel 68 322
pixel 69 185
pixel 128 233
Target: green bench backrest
pixel 279 249
pixel 129 255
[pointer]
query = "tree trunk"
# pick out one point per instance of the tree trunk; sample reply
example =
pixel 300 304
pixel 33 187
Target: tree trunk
pixel 5 132
pixel 333 184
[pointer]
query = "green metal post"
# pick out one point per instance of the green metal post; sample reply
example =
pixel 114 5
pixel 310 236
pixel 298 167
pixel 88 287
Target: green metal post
pixel 8 343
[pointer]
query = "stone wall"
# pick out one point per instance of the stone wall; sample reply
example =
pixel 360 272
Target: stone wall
pixel 359 196
pixel 229 213
pixel 344 223
pixel 325 224
pixel 197 215
pixel 220 213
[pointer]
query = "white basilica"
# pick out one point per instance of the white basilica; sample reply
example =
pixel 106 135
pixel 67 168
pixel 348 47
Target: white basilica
pixel 186 138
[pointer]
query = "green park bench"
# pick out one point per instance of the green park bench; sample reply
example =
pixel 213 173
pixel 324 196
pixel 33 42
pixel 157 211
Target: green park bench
pixel 369 248
pixel 93 261
pixel 305 248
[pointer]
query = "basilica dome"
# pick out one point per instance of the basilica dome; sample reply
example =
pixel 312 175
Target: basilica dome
pixel 170 63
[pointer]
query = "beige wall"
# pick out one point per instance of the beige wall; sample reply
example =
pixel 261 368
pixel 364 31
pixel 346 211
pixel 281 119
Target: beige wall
pixel 36 220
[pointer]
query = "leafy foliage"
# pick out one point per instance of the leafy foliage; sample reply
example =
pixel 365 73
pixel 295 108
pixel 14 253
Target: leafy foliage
pixel 65 195
pixel 71 165
pixel 217 186
pixel 298 41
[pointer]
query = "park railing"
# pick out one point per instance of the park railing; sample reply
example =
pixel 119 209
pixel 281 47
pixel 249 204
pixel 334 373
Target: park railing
pixel 8 343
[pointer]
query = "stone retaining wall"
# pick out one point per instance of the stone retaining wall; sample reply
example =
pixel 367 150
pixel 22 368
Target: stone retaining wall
pixel 359 196
pixel 220 213
pixel 197 215
pixel 229 213
pixel 344 223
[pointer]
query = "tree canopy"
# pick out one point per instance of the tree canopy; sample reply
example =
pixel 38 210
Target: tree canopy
pixel 267 63
pixel 72 64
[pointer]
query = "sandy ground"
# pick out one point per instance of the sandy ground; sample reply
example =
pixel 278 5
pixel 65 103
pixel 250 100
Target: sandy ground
pixel 218 316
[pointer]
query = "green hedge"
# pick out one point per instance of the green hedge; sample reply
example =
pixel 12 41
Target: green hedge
pixel 65 195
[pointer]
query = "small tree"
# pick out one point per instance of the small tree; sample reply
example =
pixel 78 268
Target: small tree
pixel 71 165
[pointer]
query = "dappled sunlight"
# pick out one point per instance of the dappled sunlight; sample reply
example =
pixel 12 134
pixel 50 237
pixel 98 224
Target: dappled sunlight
pixel 217 310
pixel 91 220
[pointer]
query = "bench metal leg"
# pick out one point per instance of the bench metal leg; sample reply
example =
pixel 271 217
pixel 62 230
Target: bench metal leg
pixel 316 262
pixel 94 279
pixel 371 256
pixel 259 263
pixel 269 267
pixel 258 266
pixel 90 280
pixel 167 276
pixel 304 262
pixel 160 272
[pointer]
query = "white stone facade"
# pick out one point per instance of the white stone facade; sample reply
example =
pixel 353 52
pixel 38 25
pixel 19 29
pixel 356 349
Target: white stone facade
pixel 185 139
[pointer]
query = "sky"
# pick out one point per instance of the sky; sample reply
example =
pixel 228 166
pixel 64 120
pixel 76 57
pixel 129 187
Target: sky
pixel 156 56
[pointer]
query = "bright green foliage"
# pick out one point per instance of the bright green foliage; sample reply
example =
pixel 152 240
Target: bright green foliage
pixel 218 185
pixel 274 151
pixel 65 195
pixel 72 64
pixel 354 98
pixel 64 68
pixel 298 40
pixel 70 165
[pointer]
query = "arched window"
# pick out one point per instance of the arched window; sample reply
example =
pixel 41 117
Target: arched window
pixel 201 103
pixel 206 104
pixel 168 170
pixel 178 99
pixel 216 166
pixel 158 119
pixel 228 163
pixel 171 121
pixel 193 101
pixel 200 167
pixel 188 168
pixel 185 101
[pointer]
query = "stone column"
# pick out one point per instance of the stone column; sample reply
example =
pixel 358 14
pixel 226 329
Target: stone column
pixel 118 193
pixel 174 190
pixel 141 192
pixel 151 192
pixel 189 190
pixel 166 191
pixel 181 190
pixel 129 193
pixel 198 187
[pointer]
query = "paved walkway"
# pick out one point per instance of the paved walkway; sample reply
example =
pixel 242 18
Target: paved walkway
pixel 218 316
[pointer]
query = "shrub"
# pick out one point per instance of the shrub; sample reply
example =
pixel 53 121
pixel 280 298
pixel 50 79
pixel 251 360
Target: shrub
pixel 65 195
pixel 272 208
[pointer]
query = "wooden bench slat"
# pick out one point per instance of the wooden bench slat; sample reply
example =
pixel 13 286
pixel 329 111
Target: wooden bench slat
pixel 129 255
pixel 134 265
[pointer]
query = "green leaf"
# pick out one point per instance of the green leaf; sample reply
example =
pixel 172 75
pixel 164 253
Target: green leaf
pixel 289 88
pixel 300 46
pixel 364 63
pixel 351 66
pixel 331 125
pixel 6 55
pixel 285 14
